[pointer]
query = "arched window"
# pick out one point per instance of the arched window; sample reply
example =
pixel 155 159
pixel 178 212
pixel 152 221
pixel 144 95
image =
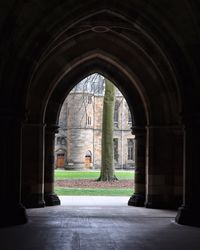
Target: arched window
pixel 88 120
pixel 89 99
pixel 116 114
pixel 58 140
pixel 63 141
pixel 115 148
pixel 131 150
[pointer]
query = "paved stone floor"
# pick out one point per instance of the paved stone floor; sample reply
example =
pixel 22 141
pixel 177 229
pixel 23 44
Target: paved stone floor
pixel 97 223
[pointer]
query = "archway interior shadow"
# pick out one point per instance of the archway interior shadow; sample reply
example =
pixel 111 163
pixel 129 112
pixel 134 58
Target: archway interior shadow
pixel 147 87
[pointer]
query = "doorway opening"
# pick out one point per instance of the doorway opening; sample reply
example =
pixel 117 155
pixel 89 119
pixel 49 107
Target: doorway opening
pixel 78 143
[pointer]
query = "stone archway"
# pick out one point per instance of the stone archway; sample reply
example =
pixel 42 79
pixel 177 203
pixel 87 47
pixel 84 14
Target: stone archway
pixel 140 69
pixel 57 98
pixel 144 41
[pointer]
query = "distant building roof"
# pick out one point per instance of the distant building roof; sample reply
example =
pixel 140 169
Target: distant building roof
pixel 93 84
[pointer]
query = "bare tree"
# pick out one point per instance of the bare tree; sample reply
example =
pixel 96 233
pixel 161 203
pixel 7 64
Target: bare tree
pixel 107 166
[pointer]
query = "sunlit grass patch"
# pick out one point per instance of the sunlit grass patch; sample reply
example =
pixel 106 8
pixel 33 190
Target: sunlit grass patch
pixel 94 191
pixel 65 174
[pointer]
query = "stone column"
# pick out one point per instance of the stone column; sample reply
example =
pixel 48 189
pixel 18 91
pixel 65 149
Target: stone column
pixel 51 199
pixel 178 135
pixel 138 198
pixel 33 165
pixel 189 212
pixel 12 211
pixel 161 162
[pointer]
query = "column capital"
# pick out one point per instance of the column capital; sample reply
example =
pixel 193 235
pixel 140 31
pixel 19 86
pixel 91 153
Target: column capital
pixel 138 130
pixel 52 129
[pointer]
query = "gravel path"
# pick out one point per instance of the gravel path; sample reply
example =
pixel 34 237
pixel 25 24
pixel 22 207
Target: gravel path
pixel 94 184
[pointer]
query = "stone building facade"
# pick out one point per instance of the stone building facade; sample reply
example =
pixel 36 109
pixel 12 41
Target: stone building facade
pixel 78 143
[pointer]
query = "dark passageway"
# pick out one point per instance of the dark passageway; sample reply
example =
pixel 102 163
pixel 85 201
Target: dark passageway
pixel 150 50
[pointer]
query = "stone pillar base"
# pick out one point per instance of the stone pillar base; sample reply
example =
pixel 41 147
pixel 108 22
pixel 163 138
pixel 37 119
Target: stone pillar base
pixel 11 216
pixel 51 199
pixel 187 216
pixel 34 201
pixel 137 200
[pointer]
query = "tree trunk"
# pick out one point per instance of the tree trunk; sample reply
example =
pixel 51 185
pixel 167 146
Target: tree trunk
pixel 107 166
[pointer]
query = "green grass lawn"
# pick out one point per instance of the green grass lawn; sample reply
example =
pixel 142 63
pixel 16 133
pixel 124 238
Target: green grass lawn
pixel 94 192
pixel 65 174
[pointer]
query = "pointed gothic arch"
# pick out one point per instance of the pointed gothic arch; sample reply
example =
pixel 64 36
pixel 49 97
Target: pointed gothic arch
pixel 146 80
pixel 134 55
